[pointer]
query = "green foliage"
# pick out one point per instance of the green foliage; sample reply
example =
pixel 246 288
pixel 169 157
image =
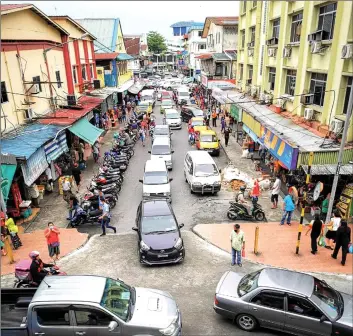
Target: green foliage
pixel 156 42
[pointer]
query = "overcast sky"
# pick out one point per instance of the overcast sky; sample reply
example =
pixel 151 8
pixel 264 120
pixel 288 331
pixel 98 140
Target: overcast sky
pixel 139 16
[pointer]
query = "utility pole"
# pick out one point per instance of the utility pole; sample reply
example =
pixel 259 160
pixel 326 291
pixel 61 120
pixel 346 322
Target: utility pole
pixel 340 155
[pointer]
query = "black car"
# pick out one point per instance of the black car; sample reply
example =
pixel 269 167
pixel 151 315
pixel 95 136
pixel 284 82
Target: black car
pixel 159 239
pixel 188 112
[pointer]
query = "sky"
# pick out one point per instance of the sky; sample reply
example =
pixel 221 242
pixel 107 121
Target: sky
pixel 139 16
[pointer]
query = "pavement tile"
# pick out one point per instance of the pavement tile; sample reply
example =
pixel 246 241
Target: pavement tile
pixel 70 240
pixel 277 245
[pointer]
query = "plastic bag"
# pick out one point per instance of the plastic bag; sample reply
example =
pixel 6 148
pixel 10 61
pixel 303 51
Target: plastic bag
pixel 322 241
pixel 243 253
pixel 350 248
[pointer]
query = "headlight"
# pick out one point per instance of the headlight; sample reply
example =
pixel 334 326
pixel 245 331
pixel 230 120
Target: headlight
pixel 217 183
pixel 166 194
pixel 143 246
pixel 197 183
pixel 170 330
pixel 146 194
pixel 178 244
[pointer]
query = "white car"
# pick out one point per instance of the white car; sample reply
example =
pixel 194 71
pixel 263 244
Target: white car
pixel 172 119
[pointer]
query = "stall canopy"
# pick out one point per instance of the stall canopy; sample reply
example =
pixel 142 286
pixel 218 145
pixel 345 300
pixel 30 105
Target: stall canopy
pixel 124 57
pixel 329 169
pixel 56 147
pixel 86 131
pixel 8 169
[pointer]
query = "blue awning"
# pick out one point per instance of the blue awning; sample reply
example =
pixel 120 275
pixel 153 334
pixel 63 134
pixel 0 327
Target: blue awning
pixel 56 147
pixel 28 140
pixel 124 57
pixel 86 131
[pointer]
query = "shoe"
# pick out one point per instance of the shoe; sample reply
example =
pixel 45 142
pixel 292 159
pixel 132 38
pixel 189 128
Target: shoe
pixel 103 234
pixel 313 252
pixel 342 263
pixel 115 231
pixel 332 256
pixel 232 264
pixel 240 265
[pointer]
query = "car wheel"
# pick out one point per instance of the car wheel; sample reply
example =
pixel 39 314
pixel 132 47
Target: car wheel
pixel 191 191
pixel 246 322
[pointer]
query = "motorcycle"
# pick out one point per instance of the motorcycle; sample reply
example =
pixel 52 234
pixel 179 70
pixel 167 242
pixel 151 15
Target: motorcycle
pixel 94 199
pixel 239 211
pixel 82 216
pixel 107 189
pixel 23 274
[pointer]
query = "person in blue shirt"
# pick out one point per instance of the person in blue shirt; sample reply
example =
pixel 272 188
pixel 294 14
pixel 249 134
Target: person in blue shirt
pixel 105 218
pixel 288 208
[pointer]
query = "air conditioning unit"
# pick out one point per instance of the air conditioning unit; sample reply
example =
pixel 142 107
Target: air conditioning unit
pixel 307 99
pixel 96 83
pixel 315 47
pixel 29 114
pixel 268 99
pixel 250 52
pixel 347 51
pixel 34 89
pixel 336 126
pixel 251 44
pixel 71 100
pixel 308 114
pixel 287 52
pixel 271 52
pixel 280 102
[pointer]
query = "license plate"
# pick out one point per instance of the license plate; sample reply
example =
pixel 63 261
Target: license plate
pixel 210 150
pixel 162 255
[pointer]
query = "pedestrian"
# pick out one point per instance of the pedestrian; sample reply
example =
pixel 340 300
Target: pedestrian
pixel 223 124
pixel 316 227
pixel 207 121
pixel 275 192
pixel 13 231
pixel 231 123
pixel 81 151
pixel 255 192
pixel 51 233
pixel 332 227
pixel 214 119
pixel 218 111
pixel 50 185
pixel 237 239
pixel 343 238
pixel 95 149
pixel 2 245
pixel 73 204
pixel 77 174
pixel 142 134
pixel 105 218
pixel 324 207
pixel 288 208
pixel 226 135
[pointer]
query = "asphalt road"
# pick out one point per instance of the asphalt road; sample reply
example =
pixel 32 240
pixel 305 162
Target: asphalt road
pixel 189 209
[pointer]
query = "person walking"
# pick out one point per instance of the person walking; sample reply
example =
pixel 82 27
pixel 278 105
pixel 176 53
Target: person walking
pixel 324 207
pixel 223 124
pixel 331 233
pixel 226 135
pixel 343 238
pixel 288 208
pixel 81 151
pixel 77 174
pixel 51 233
pixel 13 231
pixel 316 227
pixel 142 134
pixel 214 119
pixel 275 192
pixel 95 149
pixel 66 186
pixel 237 239
pixel 105 218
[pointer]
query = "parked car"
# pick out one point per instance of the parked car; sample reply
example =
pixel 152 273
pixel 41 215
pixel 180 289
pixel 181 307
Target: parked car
pixel 162 131
pixel 208 141
pixel 190 111
pixel 283 300
pixel 162 149
pixel 159 238
pixel 172 119
pixel 88 305
pixel 166 104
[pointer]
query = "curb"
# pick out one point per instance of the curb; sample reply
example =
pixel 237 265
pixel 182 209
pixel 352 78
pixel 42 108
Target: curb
pixel 266 265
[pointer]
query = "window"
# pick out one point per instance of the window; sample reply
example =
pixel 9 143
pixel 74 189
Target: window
pixel 327 17
pixel 200 33
pixel 318 87
pixel 53 316
pixel 297 305
pixel 250 71
pixel 210 40
pixel 218 38
pixel 91 70
pixel 36 80
pixel 275 28
pixel 4 97
pixel 248 283
pixel 91 317
pixel 244 6
pixel 272 77
pixel 297 21
pixel 74 73
pixel 58 79
pixel 252 34
pixel 219 69
pixel 290 82
pixel 84 71
pixel 241 71
pixel 254 4
pixel 202 46
pixel 269 299
pixel 242 35
pixel 346 99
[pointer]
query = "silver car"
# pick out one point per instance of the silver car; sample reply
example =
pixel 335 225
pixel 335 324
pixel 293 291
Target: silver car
pixel 286 301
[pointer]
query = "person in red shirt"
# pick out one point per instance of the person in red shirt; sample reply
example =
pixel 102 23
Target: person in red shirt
pixel 51 233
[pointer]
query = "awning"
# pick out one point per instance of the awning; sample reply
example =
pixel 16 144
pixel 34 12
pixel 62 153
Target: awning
pixel 329 169
pixel 136 88
pixel 125 86
pixel 252 134
pixel 28 140
pixel 67 117
pixel 56 147
pixel 86 131
pixel 204 56
pixel 124 57
pixel 232 54
pixel 220 57
pixel 7 174
pixel 34 167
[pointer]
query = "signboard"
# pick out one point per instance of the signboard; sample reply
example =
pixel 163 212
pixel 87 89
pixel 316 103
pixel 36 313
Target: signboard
pixel 204 80
pixel 234 112
pixel 221 84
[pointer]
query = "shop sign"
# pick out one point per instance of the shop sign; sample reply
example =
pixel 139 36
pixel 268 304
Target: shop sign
pixel 221 84
pixel 284 152
pixel 251 133
pixel 34 166
pixel 252 124
pixel 204 80
pixel 7 174
pixel 234 111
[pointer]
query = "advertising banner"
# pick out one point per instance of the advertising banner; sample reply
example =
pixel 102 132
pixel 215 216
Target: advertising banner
pixel 204 80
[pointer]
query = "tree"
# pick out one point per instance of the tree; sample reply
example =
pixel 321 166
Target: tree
pixel 156 42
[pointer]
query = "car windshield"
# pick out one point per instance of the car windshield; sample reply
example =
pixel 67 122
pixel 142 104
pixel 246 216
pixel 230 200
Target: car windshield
pixel 158 224
pixel 116 298
pixel 184 94
pixel 167 103
pixel 160 150
pixel 161 131
pixel 197 113
pixel 205 170
pixel 327 299
pixel 208 138
pixel 197 123
pixel 172 116
pixel 144 98
pixel 158 177
pixel 248 283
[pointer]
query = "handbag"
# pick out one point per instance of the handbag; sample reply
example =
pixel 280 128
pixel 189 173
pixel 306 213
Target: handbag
pixel 243 253
pixel 55 244
pixel 322 241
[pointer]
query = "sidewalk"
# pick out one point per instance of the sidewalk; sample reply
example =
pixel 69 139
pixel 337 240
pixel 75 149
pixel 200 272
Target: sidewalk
pixel 277 245
pixel 70 240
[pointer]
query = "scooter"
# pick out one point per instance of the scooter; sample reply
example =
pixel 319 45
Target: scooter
pixel 94 199
pixel 239 211
pixel 107 189
pixel 85 216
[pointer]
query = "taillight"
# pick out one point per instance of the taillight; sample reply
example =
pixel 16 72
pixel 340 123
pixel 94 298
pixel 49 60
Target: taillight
pixel 216 301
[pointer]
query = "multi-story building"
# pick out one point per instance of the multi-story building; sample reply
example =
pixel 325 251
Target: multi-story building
pixel 133 48
pixel 298 54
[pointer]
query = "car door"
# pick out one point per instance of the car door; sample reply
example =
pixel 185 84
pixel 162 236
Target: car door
pixel 91 321
pixel 267 307
pixel 52 321
pixel 303 318
pixel 187 165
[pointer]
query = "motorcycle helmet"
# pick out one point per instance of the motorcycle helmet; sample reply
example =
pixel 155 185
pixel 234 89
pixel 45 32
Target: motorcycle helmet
pixel 242 188
pixel 96 193
pixel 33 254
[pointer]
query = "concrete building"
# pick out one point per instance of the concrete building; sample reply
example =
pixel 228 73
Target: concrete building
pixel 298 55
pixel 133 48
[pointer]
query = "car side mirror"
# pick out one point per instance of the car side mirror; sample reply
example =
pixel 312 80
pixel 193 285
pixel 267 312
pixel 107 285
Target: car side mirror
pixel 141 181
pixel 149 152
pixel 220 170
pixel 112 326
pixel 134 228
pixel 219 140
pixel 181 225
pixel 323 318
pixel 172 152
pixel 171 133
pixel 171 179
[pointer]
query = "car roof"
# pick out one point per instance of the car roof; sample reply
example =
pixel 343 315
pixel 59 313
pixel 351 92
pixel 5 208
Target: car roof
pixel 161 126
pixel 147 92
pixel 212 132
pixel 167 100
pixel 202 155
pixel 86 288
pixel 155 165
pixel 156 208
pixel 197 119
pixel 164 140
pixel 168 111
pixel 286 280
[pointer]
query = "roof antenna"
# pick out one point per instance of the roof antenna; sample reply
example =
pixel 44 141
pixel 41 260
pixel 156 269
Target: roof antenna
pixel 46 283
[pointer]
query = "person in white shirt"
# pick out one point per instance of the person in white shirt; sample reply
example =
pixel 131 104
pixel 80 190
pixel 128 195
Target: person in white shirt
pixel 66 185
pixel 275 191
pixel 331 233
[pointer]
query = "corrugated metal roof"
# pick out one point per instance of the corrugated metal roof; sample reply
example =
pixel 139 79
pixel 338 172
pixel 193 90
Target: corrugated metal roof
pixel 232 54
pixel 329 169
pixel 124 57
pixel 28 140
pixel 106 56
pixel 7 159
pixel 204 56
pixel 8 7
pixel 220 57
pixel 195 27
pixel 186 24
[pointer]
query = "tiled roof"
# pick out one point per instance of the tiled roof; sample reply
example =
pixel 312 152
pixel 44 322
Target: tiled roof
pixel 8 7
pixel 219 21
pixel 132 45
pixel 106 56
pixel 186 24
pixel 204 56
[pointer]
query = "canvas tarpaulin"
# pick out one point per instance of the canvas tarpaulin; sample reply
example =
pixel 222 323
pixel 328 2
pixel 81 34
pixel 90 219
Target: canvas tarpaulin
pixel 86 131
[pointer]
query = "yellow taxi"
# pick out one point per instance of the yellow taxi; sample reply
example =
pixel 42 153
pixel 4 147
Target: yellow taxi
pixel 208 141
pixel 144 107
pixel 198 124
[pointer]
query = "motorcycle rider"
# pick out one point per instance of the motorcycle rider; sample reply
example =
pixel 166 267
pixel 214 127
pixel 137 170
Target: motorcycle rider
pixel 239 198
pixel 38 273
pixel 127 138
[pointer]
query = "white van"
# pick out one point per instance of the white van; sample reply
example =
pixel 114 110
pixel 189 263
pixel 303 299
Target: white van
pixel 162 149
pixel 201 172
pixel 156 181
pixel 162 131
pixel 183 94
pixel 172 118
pixel 148 96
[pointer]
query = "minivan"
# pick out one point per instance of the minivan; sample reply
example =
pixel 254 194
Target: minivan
pixel 202 173
pixel 162 149
pixel 183 94
pixel 161 131
pixel 156 181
